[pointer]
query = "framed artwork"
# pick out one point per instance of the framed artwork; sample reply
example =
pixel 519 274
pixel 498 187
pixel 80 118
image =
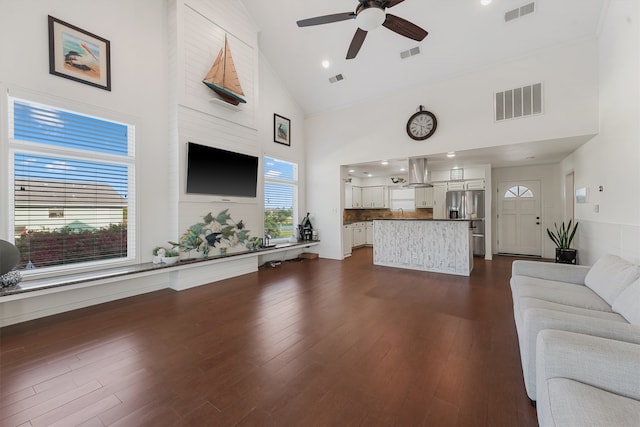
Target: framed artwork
pixel 281 130
pixel 78 55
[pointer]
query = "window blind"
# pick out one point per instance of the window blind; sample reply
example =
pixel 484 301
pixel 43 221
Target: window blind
pixel 280 198
pixel 73 185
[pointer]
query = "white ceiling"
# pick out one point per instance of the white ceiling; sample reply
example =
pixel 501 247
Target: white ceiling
pixel 463 36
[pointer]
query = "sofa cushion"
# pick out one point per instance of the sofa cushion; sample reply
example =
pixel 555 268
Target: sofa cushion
pixel 572 403
pixel 558 292
pixel 610 275
pixel 628 303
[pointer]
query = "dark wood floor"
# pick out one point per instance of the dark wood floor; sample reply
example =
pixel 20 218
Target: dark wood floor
pixel 309 343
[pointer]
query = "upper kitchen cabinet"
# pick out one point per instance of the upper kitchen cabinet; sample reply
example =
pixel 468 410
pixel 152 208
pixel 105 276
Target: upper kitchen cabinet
pixel 374 197
pixel 472 184
pixel 439 200
pixel 424 197
pixel 356 197
pixel 476 184
pixel 352 196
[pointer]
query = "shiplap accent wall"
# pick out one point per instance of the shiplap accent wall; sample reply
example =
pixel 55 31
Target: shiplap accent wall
pixel 197 30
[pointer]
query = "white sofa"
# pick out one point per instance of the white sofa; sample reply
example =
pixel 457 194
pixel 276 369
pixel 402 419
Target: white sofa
pixel 601 301
pixel 587 381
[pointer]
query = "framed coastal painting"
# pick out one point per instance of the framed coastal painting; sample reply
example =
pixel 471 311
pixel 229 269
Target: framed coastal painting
pixel 78 55
pixel 281 130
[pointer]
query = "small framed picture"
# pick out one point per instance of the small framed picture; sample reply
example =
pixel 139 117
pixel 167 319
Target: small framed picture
pixel 281 130
pixel 78 55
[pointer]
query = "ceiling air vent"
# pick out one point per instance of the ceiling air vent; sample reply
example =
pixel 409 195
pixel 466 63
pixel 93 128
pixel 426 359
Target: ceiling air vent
pixel 411 52
pixel 518 102
pixel 336 78
pixel 518 12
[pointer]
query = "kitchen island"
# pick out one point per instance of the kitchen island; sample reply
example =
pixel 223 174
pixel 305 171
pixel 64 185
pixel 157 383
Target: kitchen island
pixel 441 246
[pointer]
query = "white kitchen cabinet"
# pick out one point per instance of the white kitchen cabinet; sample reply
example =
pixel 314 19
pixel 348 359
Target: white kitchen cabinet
pixel 439 200
pixel 348 195
pixel 455 185
pixel 369 233
pixel 373 197
pixel 359 234
pixel 347 239
pixel 424 197
pixel 356 197
pixel 476 184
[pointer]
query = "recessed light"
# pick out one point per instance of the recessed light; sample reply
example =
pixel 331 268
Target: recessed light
pixel 485 2
pixel 451 154
pixel 369 175
pixel 384 163
pixel 325 64
pixel 403 170
pixel 352 170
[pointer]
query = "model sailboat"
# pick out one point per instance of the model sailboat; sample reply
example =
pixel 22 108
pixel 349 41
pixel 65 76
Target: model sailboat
pixel 222 78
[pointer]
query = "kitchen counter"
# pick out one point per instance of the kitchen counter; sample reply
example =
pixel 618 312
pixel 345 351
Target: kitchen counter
pixel 441 246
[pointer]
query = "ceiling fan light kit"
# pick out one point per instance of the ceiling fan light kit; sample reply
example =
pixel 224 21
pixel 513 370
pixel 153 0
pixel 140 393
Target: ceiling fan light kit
pixel 370 18
pixel 369 15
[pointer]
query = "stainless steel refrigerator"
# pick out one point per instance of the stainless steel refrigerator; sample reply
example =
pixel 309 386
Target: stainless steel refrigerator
pixel 469 205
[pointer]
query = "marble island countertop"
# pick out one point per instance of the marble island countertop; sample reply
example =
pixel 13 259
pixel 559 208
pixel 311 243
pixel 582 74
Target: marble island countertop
pixel 422 219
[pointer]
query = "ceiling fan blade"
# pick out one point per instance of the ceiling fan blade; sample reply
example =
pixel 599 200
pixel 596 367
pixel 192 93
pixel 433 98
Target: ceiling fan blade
pixel 326 19
pixel 404 27
pixel 392 3
pixel 356 43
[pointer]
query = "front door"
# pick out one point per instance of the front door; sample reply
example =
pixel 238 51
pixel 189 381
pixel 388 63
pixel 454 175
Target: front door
pixel 519 229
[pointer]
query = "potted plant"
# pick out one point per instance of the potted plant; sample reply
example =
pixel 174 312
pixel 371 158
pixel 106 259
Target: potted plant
pixel 563 237
pixel 170 256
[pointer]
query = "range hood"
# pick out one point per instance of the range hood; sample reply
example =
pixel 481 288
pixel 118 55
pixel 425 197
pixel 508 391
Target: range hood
pixel 419 176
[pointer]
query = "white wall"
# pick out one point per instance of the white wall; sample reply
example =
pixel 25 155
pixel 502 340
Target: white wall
pixel 464 107
pixel 612 158
pixel 154 81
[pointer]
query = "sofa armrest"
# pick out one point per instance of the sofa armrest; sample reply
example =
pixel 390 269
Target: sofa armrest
pixel 535 320
pixel 607 364
pixel 550 271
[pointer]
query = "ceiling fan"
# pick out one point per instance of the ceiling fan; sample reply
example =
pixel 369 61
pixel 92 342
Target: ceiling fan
pixel 370 14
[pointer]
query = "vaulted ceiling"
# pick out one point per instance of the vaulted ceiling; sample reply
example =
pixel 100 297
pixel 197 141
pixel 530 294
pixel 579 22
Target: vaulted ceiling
pixel 463 35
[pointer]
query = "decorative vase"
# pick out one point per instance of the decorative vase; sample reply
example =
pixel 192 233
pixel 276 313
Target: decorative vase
pixel 566 256
pixel 170 260
pixel 157 259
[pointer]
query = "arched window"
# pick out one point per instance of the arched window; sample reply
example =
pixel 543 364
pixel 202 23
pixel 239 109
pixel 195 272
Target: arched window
pixel 518 191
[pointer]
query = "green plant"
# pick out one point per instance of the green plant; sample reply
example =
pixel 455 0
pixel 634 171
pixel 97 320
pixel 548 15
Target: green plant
pixel 156 249
pixel 563 235
pixel 171 253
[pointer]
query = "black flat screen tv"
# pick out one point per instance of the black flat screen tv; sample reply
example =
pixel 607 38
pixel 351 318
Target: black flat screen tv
pixel 220 172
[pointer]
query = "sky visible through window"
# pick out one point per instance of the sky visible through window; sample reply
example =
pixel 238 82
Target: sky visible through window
pixel 278 195
pixel 51 126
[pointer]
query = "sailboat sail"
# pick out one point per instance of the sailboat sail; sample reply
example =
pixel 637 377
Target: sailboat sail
pixel 222 78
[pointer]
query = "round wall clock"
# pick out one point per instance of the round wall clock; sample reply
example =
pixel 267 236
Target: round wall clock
pixel 421 125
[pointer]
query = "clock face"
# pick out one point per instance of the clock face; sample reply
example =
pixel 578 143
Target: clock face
pixel 421 125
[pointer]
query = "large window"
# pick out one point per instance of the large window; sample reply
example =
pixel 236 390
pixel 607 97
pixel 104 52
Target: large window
pixel 280 198
pixel 71 201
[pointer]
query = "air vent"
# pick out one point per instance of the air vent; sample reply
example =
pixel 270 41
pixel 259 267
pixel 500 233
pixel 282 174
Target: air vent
pixel 336 78
pixel 518 102
pixel 411 52
pixel 518 12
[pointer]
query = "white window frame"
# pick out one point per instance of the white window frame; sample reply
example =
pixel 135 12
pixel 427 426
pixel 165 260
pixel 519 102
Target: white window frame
pixel 293 183
pixel 72 153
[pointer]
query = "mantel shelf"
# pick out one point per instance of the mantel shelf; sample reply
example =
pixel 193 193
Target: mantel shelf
pixel 225 104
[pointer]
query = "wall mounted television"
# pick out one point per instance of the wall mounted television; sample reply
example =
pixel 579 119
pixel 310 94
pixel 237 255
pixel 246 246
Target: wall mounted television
pixel 214 171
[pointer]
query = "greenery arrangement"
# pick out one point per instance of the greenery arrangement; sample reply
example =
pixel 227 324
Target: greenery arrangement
pixel 218 230
pixel 563 236
pixel 45 248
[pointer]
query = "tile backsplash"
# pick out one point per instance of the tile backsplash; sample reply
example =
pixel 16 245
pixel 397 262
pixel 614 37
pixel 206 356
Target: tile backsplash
pixel 354 215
